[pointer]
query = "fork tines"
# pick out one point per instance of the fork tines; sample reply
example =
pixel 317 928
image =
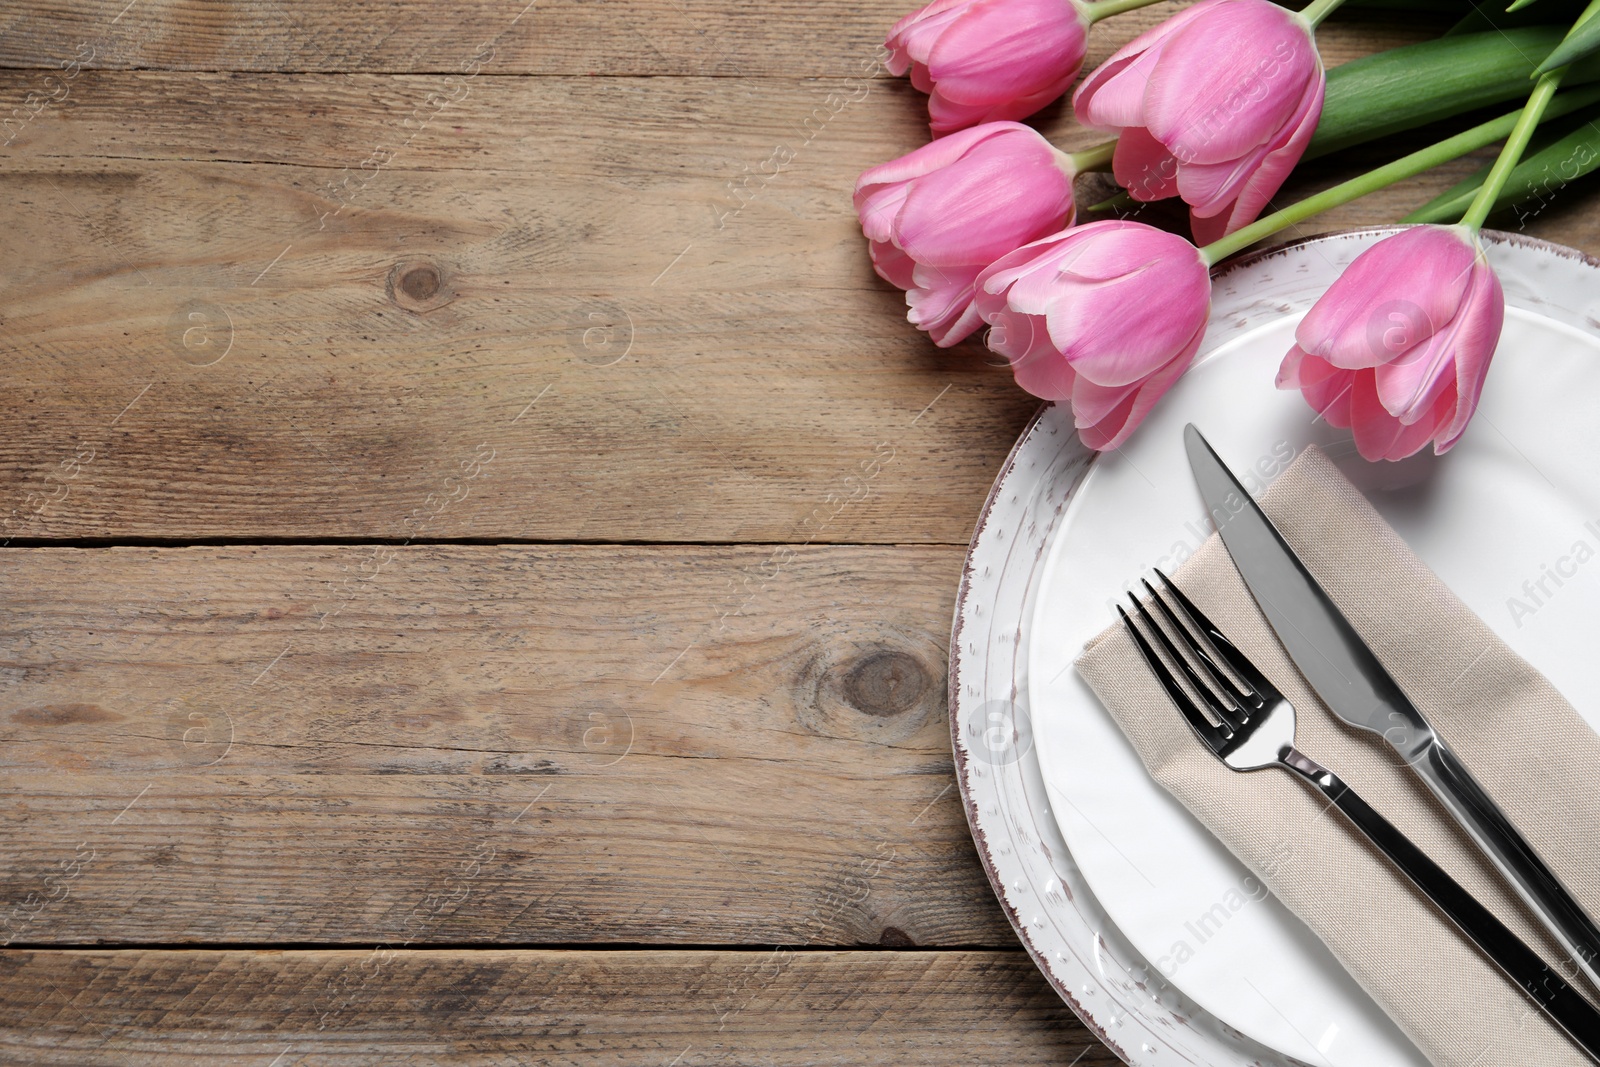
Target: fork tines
pixel 1230 704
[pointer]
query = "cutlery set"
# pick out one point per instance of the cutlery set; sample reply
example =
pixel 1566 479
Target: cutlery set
pixel 1242 718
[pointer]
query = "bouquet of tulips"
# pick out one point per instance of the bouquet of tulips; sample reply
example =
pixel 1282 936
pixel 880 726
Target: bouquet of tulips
pixel 1216 106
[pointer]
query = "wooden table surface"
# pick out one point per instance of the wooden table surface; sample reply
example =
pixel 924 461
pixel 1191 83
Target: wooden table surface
pixel 479 542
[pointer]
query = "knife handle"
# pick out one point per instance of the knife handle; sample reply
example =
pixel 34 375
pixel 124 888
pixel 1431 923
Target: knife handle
pixel 1537 979
pixel 1511 854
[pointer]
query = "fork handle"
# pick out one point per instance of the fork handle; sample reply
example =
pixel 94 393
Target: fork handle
pixel 1541 982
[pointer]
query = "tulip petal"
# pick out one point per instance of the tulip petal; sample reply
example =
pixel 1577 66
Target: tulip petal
pixel 1044 372
pixel 1451 425
pixel 1121 329
pixel 1095 252
pixel 1112 96
pixel 1019 337
pixel 1411 439
pixel 1107 315
pixel 914 37
pixel 1091 403
pixel 996 198
pixel 997 50
pixel 1325 387
pixel 992 291
pixel 946 115
pixel 1143 166
pixel 1472 359
pixel 1112 430
pixel 941 303
pixel 1225 197
pixel 1301 370
pixel 1395 294
pixel 1378 434
pixel 1226 84
pixel 988 60
pixel 933 156
pixel 880 209
pixel 1410 385
pixel 1282 157
pixel 1208 229
pixel 892 265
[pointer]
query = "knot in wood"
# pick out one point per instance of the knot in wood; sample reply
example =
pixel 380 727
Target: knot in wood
pixel 886 683
pixel 894 937
pixel 881 688
pixel 418 285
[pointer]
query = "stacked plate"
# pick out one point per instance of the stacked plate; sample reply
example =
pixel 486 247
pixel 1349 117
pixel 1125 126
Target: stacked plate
pixel 1168 947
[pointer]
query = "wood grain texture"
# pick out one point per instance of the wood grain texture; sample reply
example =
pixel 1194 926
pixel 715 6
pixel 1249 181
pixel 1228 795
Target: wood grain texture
pixel 483 745
pixel 692 382
pixel 499 1007
pixel 829 38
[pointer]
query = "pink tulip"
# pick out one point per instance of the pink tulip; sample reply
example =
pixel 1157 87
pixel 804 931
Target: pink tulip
pixel 1105 316
pixel 1397 349
pixel 1215 105
pixel 938 216
pixel 984 60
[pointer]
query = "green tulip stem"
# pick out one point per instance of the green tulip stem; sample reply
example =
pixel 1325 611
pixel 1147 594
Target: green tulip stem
pixel 1477 137
pixel 1531 115
pixel 1102 9
pixel 1096 158
pixel 1318 10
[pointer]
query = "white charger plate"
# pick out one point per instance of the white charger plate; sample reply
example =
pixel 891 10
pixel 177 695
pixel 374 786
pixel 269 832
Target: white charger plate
pixel 1103 874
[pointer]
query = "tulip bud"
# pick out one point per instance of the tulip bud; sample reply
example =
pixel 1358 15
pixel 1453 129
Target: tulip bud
pixel 1105 316
pixel 1397 349
pixel 1215 105
pixel 986 60
pixel 939 215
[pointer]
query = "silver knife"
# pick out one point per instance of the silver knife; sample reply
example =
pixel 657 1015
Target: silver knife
pixel 1357 688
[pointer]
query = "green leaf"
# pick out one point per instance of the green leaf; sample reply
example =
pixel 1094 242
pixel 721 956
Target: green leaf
pixel 1540 175
pixel 1583 40
pixel 1404 88
pixel 1454 200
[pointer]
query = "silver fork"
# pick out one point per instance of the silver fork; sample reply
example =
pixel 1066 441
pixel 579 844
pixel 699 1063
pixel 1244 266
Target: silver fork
pixel 1249 725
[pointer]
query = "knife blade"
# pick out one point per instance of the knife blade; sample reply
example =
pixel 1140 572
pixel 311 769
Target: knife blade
pixel 1356 686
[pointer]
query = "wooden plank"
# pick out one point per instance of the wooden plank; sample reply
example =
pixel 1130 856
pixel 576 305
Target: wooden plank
pixel 497 1007
pixel 668 405
pixel 257 349
pixel 692 383
pixel 829 38
pixel 482 744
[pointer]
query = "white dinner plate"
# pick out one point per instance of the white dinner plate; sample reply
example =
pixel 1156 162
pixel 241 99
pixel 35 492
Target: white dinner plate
pixel 1101 873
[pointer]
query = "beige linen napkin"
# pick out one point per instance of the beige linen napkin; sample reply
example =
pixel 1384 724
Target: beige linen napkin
pixel 1523 742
